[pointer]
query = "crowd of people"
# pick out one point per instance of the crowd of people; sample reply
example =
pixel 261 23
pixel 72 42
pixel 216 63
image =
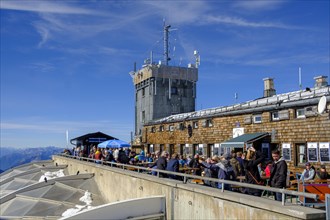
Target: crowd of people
pixel 250 166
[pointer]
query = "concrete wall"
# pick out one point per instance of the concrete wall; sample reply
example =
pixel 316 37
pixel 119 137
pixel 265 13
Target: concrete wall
pixel 185 201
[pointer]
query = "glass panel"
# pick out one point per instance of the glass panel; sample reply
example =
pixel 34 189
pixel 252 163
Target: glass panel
pixel 302 154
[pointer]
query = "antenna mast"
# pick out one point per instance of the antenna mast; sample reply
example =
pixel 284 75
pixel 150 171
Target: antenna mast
pixel 67 138
pixel 300 85
pixel 166 31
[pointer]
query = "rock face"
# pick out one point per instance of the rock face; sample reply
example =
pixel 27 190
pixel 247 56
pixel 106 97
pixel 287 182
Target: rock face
pixel 11 157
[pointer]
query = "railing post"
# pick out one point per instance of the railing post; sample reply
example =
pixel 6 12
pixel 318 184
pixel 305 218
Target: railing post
pixel 222 187
pixel 283 198
pixel 327 205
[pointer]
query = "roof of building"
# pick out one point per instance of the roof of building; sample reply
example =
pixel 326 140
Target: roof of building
pixel 96 135
pixel 44 190
pixel 280 101
pixel 245 138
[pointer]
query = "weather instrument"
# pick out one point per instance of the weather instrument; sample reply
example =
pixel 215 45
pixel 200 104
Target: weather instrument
pixel 322 105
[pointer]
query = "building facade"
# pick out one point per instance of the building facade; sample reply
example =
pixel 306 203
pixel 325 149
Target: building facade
pixel 290 122
pixel 162 90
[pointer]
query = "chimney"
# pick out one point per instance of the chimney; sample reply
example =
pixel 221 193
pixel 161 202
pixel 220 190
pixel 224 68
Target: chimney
pixel 320 81
pixel 269 87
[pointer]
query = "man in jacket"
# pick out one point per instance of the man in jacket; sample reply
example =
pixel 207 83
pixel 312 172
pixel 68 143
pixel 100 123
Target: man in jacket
pixel 223 168
pixel 278 172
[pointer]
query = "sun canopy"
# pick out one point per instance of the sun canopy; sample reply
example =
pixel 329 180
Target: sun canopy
pixel 241 140
pixel 114 144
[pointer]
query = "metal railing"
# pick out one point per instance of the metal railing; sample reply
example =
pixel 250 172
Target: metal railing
pixel 185 178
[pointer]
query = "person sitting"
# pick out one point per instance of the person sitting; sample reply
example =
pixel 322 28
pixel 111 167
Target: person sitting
pixel 108 156
pixel 98 155
pixel 182 161
pixel 308 173
pixel 141 156
pixel 67 152
pixel 322 173
pixel 149 158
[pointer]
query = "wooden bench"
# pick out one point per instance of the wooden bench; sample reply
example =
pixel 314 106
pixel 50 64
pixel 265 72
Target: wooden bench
pixel 197 181
pixel 316 186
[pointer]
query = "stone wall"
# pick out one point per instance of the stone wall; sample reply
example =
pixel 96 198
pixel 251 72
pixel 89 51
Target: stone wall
pixel 294 130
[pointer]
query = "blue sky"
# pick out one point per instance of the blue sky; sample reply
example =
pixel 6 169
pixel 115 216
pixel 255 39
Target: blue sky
pixel 65 64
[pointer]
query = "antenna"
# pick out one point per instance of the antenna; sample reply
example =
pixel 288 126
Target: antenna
pixel 300 85
pixel 197 57
pixel 166 31
pixel 321 107
pixel 67 138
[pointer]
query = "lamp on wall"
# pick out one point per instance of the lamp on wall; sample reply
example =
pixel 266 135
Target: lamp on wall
pixel 189 130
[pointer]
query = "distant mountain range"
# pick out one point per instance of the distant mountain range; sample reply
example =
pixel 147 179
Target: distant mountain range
pixel 12 157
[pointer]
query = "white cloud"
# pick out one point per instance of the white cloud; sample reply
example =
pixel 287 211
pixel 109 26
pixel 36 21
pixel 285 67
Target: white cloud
pixel 44 7
pixel 258 4
pixel 44 33
pixel 179 12
pixel 44 126
pixel 244 23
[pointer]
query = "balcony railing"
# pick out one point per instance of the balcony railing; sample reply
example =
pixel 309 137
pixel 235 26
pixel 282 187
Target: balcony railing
pixel 185 177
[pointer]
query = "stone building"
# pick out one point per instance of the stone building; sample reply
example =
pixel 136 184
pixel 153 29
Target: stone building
pixel 298 123
pixel 162 90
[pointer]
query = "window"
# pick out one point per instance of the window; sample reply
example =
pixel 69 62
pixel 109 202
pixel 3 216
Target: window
pixel 174 90
pixel 143 116
pixel 153 129
pixel 187 150
pixel 195 124
pixel 215 149
pixel 247 120
pixel 171 127
pixel 208 123
pixel 181 126
pixel 300 113
pixel 161 128
pixel 257 119
pixel 201 150
pixel 151 148
pixel 301 154
pixel 143 92
pixel 284 115
pixel 275 116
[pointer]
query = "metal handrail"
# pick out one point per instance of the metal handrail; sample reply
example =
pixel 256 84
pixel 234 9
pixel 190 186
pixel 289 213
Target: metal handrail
pixel 186 176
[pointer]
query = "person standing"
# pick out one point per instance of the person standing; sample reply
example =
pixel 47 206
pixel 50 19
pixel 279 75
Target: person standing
pixel 173 165
pixel 162 163
pixel 195 164
pixel 278 173
pixel 235 164
pixel 252 176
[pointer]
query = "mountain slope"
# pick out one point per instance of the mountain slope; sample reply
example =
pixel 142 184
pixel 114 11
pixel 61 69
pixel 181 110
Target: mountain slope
pixel 12 157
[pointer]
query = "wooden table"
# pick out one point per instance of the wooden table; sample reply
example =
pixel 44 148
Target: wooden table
pixel 188 170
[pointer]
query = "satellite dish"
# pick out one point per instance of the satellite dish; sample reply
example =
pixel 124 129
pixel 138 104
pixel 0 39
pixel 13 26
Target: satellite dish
pixel 322 105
